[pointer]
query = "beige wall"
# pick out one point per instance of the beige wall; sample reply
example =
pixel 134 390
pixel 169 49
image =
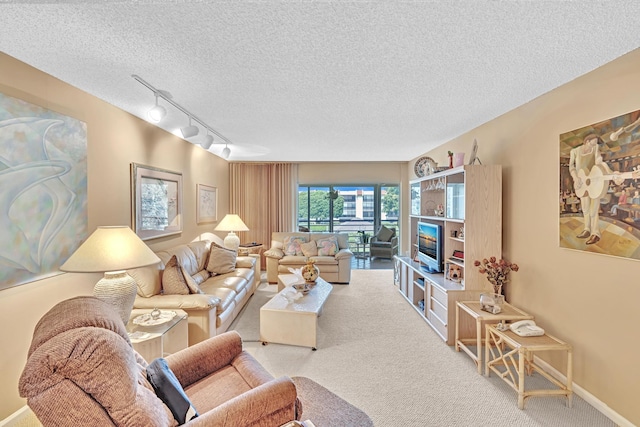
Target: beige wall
pixel 589 300
pixel 115 139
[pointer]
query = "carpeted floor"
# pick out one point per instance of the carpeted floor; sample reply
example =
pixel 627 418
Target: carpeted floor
pixel 324 408
pixel 376 352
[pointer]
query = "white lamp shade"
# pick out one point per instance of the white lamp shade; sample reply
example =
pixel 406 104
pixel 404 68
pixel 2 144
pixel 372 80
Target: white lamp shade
pixel 231 222
pixel 110 249
pixel 226 152
pixel 189 131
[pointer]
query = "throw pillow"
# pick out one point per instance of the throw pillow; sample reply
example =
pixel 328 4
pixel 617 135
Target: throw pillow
pixel 328 246
pixel 309 249
pixel 384 234
pixel 173 282
pixel 291 245
pixel 221 260
pixel 170 391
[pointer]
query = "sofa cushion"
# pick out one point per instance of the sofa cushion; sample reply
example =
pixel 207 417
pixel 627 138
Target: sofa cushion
pixel 221 260
pixel 169 390
pixel 226 295
pixel 201 251
pixel 291 245
pixel 293 260
pixel 384 234
pixel 201 276
pixel 228 281
pixel 147 279
pixel 173 281
pixel 328 246
pixel 324 260
pixel 309 248
pixel 190 282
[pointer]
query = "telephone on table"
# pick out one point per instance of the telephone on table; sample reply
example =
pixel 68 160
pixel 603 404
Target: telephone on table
pixel 526 328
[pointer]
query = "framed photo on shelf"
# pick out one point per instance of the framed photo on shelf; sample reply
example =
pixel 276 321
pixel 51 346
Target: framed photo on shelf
pixel 207 205
pixel 156 201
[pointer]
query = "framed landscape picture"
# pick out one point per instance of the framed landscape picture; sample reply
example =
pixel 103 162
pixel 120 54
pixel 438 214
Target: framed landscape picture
pixel 156 201
pixel 207 204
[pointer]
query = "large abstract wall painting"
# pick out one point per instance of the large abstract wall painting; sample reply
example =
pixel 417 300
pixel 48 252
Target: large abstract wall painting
pixel 43 190
pixel 599 189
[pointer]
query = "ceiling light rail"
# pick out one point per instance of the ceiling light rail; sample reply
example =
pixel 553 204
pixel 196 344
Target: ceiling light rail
pixel 167 97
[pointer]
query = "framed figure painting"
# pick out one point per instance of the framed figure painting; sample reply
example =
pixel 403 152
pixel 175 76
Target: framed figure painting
pixel 207 205
pixel 156 201
pixel 599 192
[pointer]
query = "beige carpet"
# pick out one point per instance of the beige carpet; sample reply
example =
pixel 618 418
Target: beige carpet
pixel 378 354
pixel 324 408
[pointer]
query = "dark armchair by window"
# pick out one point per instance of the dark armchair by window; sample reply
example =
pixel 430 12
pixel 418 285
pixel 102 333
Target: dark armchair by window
pixel 384 244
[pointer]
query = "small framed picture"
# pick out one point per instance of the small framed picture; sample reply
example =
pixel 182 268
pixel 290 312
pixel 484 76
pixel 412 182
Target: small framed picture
pixel 207 207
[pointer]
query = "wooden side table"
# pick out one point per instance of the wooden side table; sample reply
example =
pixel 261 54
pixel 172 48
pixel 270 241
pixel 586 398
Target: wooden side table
pixel 515 355
pixel 472 308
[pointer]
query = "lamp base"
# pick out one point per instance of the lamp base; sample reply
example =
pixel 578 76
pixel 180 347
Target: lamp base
pixel 118 289
pixel 232 241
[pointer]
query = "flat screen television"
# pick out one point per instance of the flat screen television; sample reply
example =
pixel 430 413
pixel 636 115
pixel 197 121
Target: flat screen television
pixel 430 247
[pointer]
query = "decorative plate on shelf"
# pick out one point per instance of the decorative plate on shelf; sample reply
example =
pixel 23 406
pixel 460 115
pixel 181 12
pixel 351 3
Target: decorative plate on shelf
pixel 424 166
pixel 147 320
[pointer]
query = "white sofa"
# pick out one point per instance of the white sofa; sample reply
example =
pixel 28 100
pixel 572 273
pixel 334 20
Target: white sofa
pixel 224 295
pixel 333 268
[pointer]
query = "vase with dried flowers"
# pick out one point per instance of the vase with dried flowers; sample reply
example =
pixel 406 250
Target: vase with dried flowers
pixel 497 271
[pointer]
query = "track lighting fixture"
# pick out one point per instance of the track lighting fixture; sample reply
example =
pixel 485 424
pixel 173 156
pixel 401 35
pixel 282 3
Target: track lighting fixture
pixel 158 112
pixel 208 140
pixel 189 131
pixel 226 152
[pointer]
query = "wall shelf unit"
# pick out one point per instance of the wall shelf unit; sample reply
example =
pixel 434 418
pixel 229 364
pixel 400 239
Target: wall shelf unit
pixel 467 203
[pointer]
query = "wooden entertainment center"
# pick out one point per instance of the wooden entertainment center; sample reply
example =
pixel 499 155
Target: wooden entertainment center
pixel 466 202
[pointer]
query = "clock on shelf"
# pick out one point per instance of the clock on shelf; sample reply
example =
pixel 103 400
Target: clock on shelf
pixel 424 166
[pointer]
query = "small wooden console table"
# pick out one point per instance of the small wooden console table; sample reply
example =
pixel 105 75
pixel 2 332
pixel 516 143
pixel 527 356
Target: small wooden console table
pixel 515 354
pixel 472 308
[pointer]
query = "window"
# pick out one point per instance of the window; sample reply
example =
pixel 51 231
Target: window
pixel 348 208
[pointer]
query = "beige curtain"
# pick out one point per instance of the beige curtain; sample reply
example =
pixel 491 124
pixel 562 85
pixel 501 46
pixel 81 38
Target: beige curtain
pixel 264 195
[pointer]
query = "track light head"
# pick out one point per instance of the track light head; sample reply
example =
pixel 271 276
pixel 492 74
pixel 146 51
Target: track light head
pixel 226 152
pixel 208 140
pixel 189 131
pixel 157 113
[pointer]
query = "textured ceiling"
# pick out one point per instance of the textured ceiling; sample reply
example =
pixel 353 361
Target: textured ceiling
pixel 322 81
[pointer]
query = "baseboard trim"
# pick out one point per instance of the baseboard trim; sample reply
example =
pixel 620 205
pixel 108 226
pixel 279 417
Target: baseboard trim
pixel 588 397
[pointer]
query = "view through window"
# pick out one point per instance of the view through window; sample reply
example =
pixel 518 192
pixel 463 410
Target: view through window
pixel 358 211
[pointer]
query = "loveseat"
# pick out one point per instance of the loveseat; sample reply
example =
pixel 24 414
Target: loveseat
pixel 81 370
pixel 329 251
pixel 207 281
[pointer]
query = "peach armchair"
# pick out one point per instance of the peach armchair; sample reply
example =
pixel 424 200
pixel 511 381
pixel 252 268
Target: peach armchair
pixel 82 370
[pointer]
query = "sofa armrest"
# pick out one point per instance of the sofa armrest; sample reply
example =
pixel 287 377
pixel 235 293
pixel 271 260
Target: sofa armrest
pixel 344 253
pixel 245 262
pixel 257 404
pixel 200 360
pixel 182 302
pixel 274 253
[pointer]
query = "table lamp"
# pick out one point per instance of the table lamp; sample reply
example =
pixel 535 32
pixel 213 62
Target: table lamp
pixel 231 223
pixel 112 251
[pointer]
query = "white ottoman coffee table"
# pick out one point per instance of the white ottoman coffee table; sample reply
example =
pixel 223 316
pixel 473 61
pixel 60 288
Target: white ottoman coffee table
pixel 293 323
